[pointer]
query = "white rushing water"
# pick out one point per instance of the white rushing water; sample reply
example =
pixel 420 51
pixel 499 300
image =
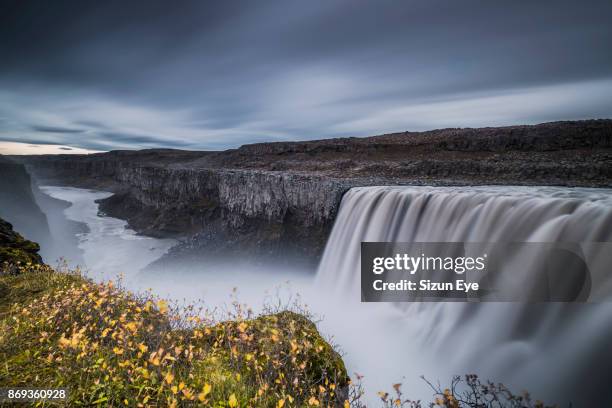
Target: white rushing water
pixel 557 351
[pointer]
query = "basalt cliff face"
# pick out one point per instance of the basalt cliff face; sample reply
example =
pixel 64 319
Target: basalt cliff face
pixel 253 211
pixel 274 198
pixel 17 203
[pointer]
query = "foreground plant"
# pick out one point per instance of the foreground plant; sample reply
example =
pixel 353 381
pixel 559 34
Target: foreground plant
pixel 466 392
pixel 110 347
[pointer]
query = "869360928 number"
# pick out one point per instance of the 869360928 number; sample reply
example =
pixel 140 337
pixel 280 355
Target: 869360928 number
pixel 24 394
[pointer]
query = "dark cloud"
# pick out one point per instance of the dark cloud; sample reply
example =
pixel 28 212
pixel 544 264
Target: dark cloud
pixel 220 73
pixel 91 124
pixel 138 140
pixel 54 129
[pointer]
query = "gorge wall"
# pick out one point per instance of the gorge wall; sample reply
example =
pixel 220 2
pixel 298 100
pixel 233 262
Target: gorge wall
pixel 17 203
pixel 222 210
pixel 274 198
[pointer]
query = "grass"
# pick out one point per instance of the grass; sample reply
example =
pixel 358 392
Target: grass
pixel 113 348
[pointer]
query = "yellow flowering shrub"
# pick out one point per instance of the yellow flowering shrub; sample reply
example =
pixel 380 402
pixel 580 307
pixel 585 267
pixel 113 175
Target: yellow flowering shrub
pixel 111 347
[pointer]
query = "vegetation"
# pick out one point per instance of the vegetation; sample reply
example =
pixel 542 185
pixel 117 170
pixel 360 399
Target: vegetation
pixel 466 392
pixel 16 250
pixel 111 347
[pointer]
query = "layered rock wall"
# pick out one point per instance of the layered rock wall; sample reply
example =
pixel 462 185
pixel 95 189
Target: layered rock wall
pixel 17 203
pixel 258 211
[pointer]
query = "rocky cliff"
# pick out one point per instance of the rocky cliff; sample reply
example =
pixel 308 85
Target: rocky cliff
pixel 17 203
pixel 16 250
pixel 255 211
pixel 276 198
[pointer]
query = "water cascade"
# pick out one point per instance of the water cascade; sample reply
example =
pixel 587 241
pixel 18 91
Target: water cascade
pixel 558 351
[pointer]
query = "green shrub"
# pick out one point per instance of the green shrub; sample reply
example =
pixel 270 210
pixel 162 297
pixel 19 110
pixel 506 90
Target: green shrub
pixel 111 347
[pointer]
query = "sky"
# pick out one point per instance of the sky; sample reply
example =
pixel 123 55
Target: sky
pixel 210 75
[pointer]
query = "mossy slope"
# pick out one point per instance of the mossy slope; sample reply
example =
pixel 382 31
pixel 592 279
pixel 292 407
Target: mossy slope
pixel 15 249
pixel 110 347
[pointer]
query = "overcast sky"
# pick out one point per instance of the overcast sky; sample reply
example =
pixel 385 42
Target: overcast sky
pixel 107 75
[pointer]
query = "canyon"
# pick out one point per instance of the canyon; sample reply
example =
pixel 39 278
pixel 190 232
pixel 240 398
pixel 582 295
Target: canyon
pixel 319 200
pixel 267 199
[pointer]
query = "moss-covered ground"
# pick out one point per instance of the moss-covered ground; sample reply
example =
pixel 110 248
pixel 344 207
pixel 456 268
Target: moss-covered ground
pixel 113 348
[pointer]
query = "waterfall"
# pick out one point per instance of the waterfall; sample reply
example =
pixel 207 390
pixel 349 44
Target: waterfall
pixel 557 351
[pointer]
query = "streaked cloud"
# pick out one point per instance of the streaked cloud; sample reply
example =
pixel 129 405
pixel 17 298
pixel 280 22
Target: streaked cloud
pixel 53 129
